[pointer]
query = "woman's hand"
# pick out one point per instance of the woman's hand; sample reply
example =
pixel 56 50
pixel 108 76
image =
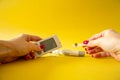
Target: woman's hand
pixel 103 44
pixel 19 47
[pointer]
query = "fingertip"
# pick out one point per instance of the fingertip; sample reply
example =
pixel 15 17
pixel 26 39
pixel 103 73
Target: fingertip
pixel 85 41
pixel 96 55
pixel 34 47
pixel 33 55
pixel 27 57
pixel 42 46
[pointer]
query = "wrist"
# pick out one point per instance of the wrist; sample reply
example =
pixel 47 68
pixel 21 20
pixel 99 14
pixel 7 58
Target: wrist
pixel 6 50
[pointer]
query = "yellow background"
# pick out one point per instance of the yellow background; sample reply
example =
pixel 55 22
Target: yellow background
pixel 73 21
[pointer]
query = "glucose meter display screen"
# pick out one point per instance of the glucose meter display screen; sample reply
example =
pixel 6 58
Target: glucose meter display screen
pixel 48 44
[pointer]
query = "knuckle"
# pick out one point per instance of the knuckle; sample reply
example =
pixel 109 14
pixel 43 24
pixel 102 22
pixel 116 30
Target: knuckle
pixel 109 30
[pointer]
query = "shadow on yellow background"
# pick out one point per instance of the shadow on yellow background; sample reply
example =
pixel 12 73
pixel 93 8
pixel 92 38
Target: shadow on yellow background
pixel 73 21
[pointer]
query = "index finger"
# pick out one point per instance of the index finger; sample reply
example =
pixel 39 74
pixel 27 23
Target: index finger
pixel 96 36
pixel 32 38
pixel 101 34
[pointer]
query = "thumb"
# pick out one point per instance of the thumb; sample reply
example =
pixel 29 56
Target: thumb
pixel 93 43
pixel 34 47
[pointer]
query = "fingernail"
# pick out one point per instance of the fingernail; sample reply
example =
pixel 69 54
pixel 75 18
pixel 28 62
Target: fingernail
pixel 32 55
pixel 27 57
pixel 85 42
pixel 42 46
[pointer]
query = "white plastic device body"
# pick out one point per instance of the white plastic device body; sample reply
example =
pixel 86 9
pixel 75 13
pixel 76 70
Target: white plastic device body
pixel 49 44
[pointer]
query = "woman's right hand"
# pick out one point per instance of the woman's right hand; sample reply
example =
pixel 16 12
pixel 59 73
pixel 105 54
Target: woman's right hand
pixel 105 43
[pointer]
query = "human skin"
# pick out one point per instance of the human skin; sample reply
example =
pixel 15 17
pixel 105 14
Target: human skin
pixel 103 44
pixel 20 46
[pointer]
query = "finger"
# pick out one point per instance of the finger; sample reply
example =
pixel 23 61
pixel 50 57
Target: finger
pixel 94 43
pixel 99 35
pixel 103 33
pixel 27 57
pixel 89 48
pixel 33 38
pixel 32 54
pixel 33 47
pixel 85 41
pixel 94 50
pixel 9 59
pixel 101 54
pixel 30 37
pixel 116 56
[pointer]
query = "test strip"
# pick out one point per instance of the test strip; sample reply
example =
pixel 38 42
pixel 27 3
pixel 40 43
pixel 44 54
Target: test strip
pixel 78 45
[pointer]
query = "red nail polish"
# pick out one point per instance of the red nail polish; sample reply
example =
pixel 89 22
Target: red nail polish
pixel 32 55
pixel 27 57
pixel 85 42
pixel 42 46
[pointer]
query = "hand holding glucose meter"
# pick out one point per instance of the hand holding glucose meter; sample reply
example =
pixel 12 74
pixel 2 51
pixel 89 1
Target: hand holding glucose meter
pixel 49 44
